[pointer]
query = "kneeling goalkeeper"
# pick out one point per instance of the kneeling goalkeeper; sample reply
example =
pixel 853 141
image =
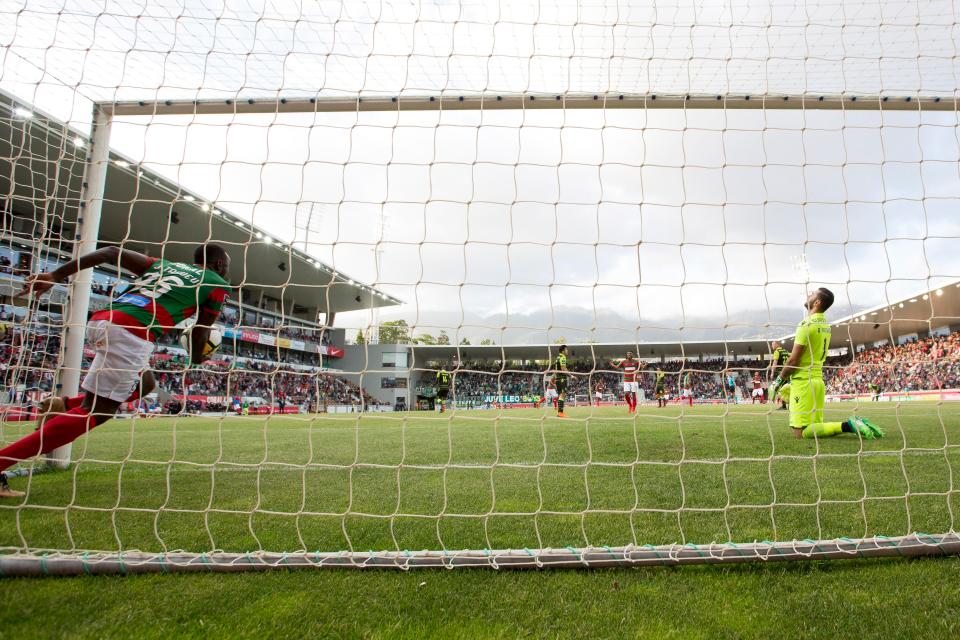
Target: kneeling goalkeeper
pixel 804 372
pixel 122 335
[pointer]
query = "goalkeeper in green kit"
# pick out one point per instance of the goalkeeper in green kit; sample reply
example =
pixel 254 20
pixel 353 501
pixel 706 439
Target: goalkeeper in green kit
pixel 804 372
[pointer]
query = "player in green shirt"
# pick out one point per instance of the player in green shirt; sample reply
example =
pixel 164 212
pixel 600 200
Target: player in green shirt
pixel 660 390
pixel 874 391
pixel 779 358
pixel 560 379
pixel 122 336
pixel 804 371
pixel 443 387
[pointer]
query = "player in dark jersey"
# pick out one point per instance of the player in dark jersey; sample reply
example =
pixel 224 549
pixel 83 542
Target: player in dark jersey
pixel 443 387
pixel 660 389
pixel 560 379
pixel 122 335
pixel 779 358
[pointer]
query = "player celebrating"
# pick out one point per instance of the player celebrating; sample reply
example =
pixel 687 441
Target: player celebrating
pixel 443 387
pixel 779 358
pixel 630 367
pixel 660 389
pixel 757 394
pixel 165 294
pixel 804 370
pixel 560 379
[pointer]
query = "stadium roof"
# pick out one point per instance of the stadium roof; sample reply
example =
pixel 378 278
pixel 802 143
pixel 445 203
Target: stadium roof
pixel 927 309
pixel 47 159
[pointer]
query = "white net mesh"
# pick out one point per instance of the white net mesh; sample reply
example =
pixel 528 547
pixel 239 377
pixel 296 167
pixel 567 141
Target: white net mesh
pixel 398 201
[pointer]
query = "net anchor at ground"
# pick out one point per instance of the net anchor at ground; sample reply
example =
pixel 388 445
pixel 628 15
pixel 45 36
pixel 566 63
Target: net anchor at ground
pixel 914 545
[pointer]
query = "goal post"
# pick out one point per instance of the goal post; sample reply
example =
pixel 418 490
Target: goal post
pixel 78 298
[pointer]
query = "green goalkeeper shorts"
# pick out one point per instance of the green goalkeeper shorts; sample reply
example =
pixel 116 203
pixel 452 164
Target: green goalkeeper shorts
pixel 806 402
pixel 784 393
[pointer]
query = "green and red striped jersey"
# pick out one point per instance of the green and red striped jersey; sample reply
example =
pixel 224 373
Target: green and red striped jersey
pixel 165 295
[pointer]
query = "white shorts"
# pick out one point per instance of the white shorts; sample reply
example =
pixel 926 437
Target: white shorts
pixel 757 393
pixel 120 357
pixel 598 395
pixel 630 387
pixel 551 393
pixel 686 393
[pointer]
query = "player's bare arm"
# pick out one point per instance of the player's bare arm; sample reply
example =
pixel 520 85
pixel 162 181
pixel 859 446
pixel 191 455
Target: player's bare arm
pixel 200 333
pixel 132 261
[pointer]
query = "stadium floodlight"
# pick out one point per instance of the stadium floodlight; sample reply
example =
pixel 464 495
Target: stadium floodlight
pixel 713 174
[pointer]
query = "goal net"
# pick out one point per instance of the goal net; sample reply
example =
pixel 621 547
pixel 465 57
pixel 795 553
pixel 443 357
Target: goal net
pixel 422 203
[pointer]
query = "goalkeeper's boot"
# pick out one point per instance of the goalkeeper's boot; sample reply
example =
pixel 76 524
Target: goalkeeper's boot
pixel 864 427
pixel 6 491
pixel 561 414
pixel 858 427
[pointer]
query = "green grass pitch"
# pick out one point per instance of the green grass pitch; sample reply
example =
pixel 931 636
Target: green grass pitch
pixel 485 479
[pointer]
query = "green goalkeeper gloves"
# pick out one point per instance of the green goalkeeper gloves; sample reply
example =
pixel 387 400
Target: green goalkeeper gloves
pixel 774 388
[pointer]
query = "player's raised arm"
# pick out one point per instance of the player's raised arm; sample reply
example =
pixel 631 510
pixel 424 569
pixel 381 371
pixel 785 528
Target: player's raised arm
pixel 132 261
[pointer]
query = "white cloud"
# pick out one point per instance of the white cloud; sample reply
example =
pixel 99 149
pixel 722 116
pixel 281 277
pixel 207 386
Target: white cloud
pixel 510 217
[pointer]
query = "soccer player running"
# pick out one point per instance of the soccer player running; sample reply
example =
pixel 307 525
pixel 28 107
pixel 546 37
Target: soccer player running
pixel 443 387
pixel 560 379
pixel 122 335
pixel 660 389
pixel 804 371
pixel 630 366
pixel 780 357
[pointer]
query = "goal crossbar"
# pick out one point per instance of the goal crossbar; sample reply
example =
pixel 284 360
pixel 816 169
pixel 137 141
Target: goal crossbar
pixel 918 544
pixel 455 102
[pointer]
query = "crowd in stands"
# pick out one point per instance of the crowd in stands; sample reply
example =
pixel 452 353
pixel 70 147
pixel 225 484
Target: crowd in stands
pixel 29 366
pixel 925 363
pixel 264 380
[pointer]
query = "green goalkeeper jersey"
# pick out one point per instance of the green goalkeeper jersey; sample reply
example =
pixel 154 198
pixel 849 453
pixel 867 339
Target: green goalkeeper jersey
pixel 813 332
